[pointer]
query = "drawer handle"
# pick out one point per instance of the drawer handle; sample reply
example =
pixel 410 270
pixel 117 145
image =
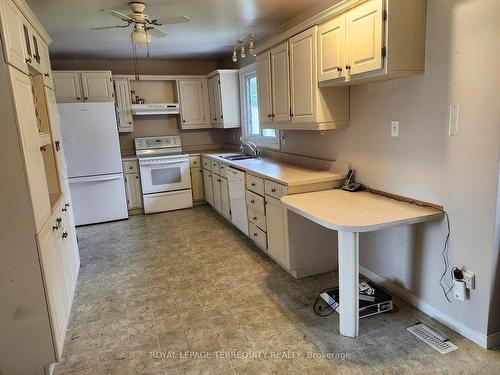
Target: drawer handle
pixel 66 205
pixel 255 234
pixel 273 190
pixel 65 235
pixel 348 67
pixel 252 201
pixel 47 75
pixel 254 218
pixel 252 184
pixel 28 60
pixel 64 209
pixel 339 69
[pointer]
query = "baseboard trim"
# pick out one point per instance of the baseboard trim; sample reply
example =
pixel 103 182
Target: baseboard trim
pixel 493 340
pixel 459 327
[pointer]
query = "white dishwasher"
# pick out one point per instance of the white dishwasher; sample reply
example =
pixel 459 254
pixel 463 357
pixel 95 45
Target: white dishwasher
pixel 236 181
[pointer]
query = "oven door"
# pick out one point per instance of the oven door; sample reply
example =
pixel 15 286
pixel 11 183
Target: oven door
pixel 161 175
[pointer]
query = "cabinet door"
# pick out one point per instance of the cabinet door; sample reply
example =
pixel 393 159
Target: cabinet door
pixel 97 86
pixel 192 102
pixel 208 186
pixel 13 35
pixel 211 98
pixel 55 129
pixel 216 180
pixel 197 184
pixel 280 83
pixel 71 243
pixel 364 38
pixel 303 80
pixel 67 86
pixel 275 230
pixel 54 282
pixel 46 68
pixel 264 90
pixel 133 190
pixel 35 40
pixel 224 194
pixel 331 49
pixel 124 105
pixel 27 123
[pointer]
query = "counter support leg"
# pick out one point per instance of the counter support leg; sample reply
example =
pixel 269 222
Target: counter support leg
pixel 349 283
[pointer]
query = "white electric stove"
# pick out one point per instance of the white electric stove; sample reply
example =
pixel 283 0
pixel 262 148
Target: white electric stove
pixel 165 175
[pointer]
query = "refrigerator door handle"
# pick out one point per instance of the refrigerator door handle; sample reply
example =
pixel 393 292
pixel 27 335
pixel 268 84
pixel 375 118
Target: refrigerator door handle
pixel 80 180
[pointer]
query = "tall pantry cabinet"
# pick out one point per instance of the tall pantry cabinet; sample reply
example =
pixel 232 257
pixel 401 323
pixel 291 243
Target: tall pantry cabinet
pixel 39 259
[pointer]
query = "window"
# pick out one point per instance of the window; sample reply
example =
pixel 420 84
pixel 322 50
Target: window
pixel 250 111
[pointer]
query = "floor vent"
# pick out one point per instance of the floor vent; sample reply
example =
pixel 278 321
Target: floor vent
pixel 432 338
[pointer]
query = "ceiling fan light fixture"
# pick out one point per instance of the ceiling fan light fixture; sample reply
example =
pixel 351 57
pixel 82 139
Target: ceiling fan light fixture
pixel 235 55
pixel 251 46
pixel 141 38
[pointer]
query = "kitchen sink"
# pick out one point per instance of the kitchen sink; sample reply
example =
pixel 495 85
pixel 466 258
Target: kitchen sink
pixel 237 157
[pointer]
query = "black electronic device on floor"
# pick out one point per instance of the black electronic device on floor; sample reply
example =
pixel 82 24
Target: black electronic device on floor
pixel 376 301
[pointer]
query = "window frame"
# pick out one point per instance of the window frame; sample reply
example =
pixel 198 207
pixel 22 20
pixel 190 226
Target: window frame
pixel 246 72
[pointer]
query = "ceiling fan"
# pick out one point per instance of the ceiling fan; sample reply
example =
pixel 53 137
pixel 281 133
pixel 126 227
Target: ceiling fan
pixel 144 26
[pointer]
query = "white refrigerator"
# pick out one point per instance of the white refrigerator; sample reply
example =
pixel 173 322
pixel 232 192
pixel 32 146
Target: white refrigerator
pixel 92 152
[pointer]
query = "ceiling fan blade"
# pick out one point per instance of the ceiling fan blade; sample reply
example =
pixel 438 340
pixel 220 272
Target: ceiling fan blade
pixel 117 14
pixel 172 20
pixel 108 27
pixel 156 31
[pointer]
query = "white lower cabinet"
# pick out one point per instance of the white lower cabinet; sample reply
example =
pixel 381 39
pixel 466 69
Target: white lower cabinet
pixel 217 202
pixel 208 186
pixel 133 190
pixel 224 194
pixel 276 230
pixel 197 184
pixel 58 251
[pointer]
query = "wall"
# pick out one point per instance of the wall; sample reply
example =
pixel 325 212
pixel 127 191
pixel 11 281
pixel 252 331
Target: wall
pixel 156 125
pixel 462 54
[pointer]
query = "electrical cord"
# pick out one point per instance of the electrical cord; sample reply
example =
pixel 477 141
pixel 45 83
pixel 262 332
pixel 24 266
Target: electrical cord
pixel 446 261
pixel 317 309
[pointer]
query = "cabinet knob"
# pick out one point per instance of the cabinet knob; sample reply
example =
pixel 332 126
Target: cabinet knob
pixel 269 116
pixel 66 205
pixel 28 60
pixel 58 145
pixel 339 69
pixel 254 218
pixel 252 201
pixel 86 98
pixel 183 120
pixel 273 190
pixel 43 148
pixel 65 235
pixel 77 98
pixel 47 75
pixel 215 119
pixel 255 234
pixel 130 122
pixel 252 184
pixel 64 209
pixel 348 67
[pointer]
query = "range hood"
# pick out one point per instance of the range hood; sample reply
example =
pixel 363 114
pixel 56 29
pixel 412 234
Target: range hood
pixel 155 109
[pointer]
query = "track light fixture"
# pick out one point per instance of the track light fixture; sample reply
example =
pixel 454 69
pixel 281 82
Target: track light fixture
pixel 242 48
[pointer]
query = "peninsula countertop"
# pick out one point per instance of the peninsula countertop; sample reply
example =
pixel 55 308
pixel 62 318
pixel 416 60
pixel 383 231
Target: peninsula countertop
pixel 283 172
pixel 357 212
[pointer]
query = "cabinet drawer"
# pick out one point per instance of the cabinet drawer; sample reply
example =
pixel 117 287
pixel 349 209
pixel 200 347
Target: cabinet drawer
pixel 207 164
pixel 255 184
pixel 194 162
pixel 223 170
pixel 255 202
pixel 258 235
pixel 130 166
pixel 275 190
pixel 257 218
pixel 215 167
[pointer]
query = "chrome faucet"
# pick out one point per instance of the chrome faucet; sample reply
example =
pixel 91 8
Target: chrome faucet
pixel 252 146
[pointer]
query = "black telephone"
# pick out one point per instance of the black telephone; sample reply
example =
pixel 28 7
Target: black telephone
pixel 349 184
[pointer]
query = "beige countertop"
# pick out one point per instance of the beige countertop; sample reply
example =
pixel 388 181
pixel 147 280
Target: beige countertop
pixel 131 157
pixel 279 171
pixel 357 212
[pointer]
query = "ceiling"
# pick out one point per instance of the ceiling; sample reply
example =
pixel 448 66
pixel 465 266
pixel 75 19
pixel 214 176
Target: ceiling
pixel 215 26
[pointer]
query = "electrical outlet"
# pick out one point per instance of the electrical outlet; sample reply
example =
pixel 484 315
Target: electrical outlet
pixel 394 128
pixel 469 278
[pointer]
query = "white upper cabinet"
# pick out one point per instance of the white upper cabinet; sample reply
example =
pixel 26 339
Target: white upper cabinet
pixel 364 38
pixel 91 86
pixel 224 96
pixel 331 50
pixel 68 87
pixel 303 81
pixel 97 86
pixel 193 98
pixel 45 67
pixel 376 40
pixel 280 83
pixel 35 169
pixel 12 30
pixel 123 105
pixel 264 88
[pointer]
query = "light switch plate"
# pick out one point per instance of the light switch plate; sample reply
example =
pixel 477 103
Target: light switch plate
pixel 453 123
pixel 394 128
